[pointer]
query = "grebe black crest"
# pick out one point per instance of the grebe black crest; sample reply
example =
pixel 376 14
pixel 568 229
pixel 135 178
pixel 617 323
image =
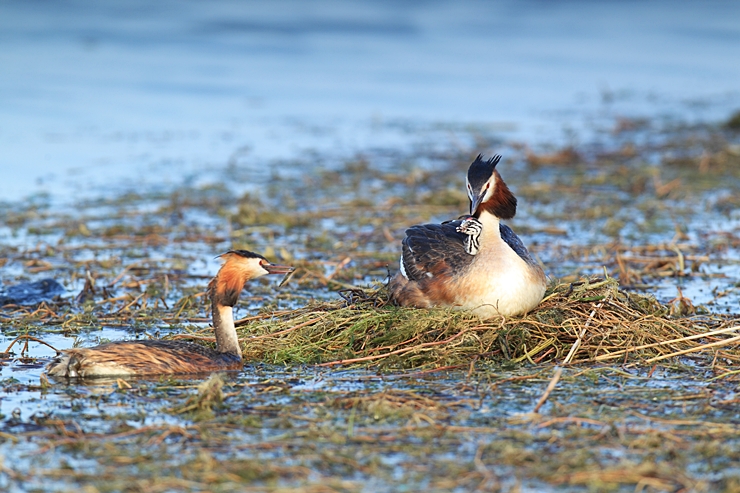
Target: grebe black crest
pixel 474 263
pixel 160 357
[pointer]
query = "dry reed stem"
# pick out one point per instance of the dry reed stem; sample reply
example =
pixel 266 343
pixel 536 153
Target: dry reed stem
pixel 694 349
pixel 615 354
pixel 29 338
pixel 559 370
pixel 550 387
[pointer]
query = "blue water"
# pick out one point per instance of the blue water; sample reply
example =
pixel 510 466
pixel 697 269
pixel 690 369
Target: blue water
pixel 96 96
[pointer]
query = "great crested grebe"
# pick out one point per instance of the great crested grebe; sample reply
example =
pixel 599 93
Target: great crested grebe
pixel 157 357
pixel 474 263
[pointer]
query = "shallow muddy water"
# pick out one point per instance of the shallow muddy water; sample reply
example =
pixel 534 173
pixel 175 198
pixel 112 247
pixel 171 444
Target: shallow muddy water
pixel 140 141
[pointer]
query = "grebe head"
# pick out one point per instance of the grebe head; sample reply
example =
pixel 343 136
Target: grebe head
pixel 239 267
pixel 487 190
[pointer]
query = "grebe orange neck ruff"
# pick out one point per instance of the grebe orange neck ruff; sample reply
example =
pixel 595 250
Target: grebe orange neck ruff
pixel 474 263
pixel 161 357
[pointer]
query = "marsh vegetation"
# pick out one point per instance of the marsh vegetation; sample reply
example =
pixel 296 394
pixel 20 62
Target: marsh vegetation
pixel 624 378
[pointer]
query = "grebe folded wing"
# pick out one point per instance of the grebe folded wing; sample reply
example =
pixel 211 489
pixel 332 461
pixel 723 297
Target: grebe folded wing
pixel 430 250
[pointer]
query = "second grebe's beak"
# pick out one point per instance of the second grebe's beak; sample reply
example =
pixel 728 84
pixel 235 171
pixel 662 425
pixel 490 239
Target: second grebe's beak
pixel 278 269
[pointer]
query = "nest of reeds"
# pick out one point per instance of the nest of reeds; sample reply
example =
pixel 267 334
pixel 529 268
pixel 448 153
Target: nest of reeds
pixel 588 321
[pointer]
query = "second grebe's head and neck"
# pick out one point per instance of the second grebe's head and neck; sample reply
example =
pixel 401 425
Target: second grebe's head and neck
pixel 239 267
pixel 487 191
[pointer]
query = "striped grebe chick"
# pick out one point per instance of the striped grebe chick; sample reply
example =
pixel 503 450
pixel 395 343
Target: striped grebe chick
pixel 474 263
pixel 161 357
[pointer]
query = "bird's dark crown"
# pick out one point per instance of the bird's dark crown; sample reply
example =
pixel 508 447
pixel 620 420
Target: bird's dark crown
pixel 244 253
pixel 480 171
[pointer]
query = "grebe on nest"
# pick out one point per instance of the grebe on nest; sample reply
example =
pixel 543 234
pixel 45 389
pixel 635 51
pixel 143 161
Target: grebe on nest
pixel 474 263
pixel 160 357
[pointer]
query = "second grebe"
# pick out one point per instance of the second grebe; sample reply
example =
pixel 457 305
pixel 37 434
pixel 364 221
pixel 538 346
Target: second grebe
pixel 126 358
pixel 476 263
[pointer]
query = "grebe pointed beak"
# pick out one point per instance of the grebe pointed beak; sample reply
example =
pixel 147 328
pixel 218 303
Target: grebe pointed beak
pixel 278 269
pixel 476 203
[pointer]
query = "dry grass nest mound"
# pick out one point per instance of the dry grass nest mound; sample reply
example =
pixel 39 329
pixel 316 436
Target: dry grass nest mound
pixel 587 321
